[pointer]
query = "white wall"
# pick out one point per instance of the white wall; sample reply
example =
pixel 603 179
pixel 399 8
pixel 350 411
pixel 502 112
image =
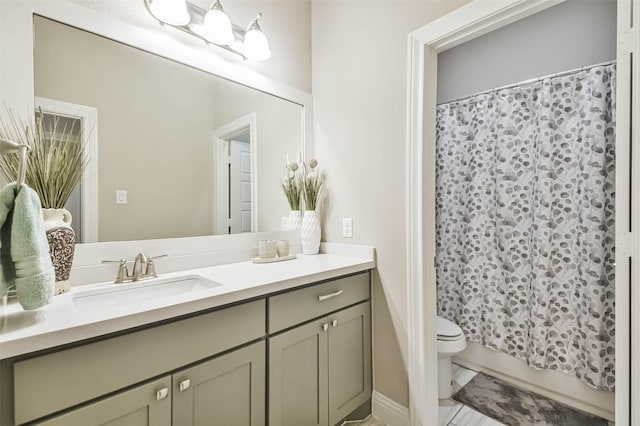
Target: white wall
pixel 359 87
pixel 567 36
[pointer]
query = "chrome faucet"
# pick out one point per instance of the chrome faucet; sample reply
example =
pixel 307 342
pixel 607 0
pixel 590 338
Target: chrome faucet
pixel 138 272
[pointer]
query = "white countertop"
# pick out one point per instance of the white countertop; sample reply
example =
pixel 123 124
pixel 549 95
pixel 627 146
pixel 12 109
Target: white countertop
pixel 59 323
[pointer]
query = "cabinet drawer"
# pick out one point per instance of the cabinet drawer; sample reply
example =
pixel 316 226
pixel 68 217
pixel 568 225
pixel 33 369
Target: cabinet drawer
pixel 46 384
pixel 294 307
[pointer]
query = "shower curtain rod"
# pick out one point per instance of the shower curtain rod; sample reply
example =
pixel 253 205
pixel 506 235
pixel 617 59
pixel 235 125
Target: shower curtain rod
pixel 530 81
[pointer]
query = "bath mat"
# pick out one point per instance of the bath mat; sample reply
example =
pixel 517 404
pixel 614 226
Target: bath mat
pixel 516 407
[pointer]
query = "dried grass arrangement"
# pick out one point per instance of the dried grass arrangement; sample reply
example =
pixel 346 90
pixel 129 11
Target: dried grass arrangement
pixel 292 186
pixel 56 160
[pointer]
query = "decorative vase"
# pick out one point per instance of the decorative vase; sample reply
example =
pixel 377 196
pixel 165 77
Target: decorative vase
pixel 295 220
pixel 62 243
pixel 310 233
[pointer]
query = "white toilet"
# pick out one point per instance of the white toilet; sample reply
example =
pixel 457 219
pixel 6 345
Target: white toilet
pixel 450 342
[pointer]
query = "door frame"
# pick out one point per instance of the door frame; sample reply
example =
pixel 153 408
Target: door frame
pixel 89 118
pixel 468 22
pixel 221 178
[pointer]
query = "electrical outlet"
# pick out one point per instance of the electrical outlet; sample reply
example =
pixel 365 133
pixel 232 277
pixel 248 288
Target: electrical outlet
pixel 121 197
pixel 347 227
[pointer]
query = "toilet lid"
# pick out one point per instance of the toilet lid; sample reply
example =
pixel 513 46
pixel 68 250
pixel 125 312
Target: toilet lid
pixel 447 330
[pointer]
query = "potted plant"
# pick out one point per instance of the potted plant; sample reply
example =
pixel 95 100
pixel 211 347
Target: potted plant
pixel 312 187
pixel 55 166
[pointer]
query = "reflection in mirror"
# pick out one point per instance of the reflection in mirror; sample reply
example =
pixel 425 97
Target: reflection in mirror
pixel 178 152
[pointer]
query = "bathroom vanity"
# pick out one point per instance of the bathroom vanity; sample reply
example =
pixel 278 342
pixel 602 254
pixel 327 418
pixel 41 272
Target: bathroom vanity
pixel 290 351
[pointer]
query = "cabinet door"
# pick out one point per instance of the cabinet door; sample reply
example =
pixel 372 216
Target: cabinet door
pixel 226 391
pixel 298 376
pixel 146 405
pixel 349 360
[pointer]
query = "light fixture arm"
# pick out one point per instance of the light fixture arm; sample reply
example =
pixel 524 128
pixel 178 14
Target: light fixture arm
pixel 255 25
pixel 216 5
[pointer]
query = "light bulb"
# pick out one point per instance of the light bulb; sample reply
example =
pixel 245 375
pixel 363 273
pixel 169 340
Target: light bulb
pixel 172 12
pixel 217 26
pixel 256 45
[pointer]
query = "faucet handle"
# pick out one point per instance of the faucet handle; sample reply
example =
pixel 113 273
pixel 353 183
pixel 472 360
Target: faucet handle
pixel 123 273
pixel 155 257
pixel 151 267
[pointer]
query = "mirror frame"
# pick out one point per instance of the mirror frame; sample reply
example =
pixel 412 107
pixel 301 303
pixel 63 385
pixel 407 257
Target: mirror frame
pixel 17 90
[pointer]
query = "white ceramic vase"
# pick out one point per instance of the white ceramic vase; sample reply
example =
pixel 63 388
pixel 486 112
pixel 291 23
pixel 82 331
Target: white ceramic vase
pixel 295 220
pixel 310 233
pixel 62 243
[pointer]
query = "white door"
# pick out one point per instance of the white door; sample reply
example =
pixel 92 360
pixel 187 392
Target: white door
pixel 239 186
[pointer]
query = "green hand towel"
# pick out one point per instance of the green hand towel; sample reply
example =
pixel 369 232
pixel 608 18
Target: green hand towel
pixel 24 250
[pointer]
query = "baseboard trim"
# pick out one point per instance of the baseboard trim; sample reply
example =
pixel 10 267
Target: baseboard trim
pixel 388 411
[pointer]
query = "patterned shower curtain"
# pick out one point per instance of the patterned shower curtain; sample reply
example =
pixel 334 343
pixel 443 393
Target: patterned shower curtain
pixel 525 221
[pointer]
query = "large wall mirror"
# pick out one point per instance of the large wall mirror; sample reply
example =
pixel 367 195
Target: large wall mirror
pixel 174 151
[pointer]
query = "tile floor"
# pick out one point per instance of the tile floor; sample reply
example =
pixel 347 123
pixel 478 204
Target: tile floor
pixel 452 413
pixel 369 422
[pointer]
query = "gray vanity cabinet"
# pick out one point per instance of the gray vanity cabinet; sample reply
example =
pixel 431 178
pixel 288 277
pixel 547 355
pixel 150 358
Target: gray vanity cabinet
pixel 51 383
pixel 298 376
pixel 211 368
pixel 146 405
pixel 320 371
pixel 349 360
pixel 228 390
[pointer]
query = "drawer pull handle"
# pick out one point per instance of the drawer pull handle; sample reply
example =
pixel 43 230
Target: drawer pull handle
pixel 184 385
pixel 334 323
pixel 329 296
pixel 162 394
pixel 325 327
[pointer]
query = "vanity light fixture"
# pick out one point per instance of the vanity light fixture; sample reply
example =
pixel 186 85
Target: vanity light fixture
pixel 256 45
pixel 213 26
pixel 217 25
pixel 172 12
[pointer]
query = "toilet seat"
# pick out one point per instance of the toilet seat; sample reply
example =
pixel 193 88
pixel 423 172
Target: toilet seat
pixel 450 342
pixel 448 331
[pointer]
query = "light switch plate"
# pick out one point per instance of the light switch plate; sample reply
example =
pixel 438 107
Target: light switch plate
pixel 347 227
pixel 121 197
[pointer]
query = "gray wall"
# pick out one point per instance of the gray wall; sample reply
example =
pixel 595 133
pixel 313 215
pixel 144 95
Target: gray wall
pixel 567 36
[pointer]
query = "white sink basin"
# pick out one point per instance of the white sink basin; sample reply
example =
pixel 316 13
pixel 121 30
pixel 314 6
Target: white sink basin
pixel 122 295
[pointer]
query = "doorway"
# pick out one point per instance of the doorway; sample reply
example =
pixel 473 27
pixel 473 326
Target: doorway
pixel 239 204
pixel 464 24
pixel 235 178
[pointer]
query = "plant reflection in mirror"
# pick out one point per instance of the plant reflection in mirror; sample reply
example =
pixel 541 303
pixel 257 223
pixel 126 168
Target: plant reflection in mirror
pixel 291 186
pixel 56 159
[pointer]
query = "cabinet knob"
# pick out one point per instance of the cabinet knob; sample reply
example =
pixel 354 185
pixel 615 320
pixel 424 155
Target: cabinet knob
pixel 334 323
pixel 184 385
pixel 162 394
pixel 325 327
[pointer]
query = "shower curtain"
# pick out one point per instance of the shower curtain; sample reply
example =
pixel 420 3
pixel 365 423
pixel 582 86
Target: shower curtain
pixel 525 221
